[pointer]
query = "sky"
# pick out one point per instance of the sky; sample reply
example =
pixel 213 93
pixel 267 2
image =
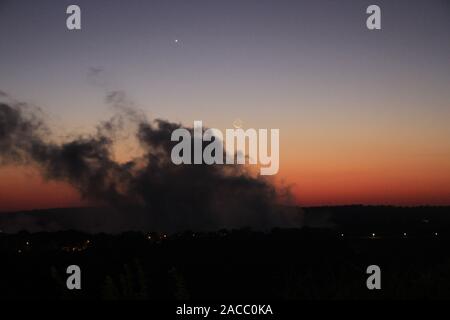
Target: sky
pixel 363 115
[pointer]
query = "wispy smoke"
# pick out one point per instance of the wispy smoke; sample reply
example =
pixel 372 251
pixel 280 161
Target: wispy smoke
pixel 149 189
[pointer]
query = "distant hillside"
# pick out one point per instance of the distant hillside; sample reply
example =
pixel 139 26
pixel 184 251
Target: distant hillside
pixel 354 219
pixel 386 219
pixel 82 219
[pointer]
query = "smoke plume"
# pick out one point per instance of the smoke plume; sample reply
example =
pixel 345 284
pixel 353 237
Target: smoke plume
pixel 149 191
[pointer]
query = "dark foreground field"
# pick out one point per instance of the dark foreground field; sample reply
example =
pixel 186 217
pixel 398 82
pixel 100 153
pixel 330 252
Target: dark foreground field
pixel 327 262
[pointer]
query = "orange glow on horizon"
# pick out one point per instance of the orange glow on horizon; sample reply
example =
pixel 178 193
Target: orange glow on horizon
pixel 22 188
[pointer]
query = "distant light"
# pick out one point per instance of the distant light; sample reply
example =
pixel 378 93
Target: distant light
pixel 373 234
pixel 27 243
pixel 176 40
pixel 88 241
pixel 436 234
pixel 149 237
pixel 342 234
pixel 19 251
pixel 404 234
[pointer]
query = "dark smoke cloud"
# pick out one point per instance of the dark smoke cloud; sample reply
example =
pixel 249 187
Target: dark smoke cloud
pixel 149 191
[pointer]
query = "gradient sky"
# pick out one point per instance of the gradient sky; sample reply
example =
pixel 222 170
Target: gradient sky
pixel 363 115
